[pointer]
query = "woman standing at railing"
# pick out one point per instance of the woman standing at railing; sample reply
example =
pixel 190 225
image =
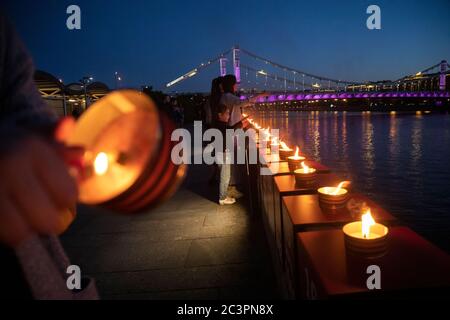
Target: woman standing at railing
pixel 235 106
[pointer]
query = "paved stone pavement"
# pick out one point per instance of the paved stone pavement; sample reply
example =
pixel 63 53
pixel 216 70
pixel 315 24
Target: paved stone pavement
pixel 188 248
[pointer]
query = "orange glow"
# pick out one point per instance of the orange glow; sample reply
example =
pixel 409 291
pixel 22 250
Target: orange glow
pixel 366 222
pixel 296 156
pixel 339 187
pixel 306 169
pixel 101 163
pixel 284 146
pixel 267 134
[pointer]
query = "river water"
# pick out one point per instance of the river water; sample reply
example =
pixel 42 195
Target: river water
pixel 400 160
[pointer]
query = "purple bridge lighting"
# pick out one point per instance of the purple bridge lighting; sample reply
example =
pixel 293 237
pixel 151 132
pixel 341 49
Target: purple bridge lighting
pixel 351 95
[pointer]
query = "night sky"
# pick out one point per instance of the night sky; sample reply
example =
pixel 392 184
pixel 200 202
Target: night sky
pixel 153 42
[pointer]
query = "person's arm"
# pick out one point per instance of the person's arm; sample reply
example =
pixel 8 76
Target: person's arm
pixel 21 104
pixel 248 102
pixel 236 108
pixel 34 180
pixel 236 102
pixel 254 99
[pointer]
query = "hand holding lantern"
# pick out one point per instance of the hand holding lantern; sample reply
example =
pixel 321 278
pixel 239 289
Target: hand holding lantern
pixel 126 165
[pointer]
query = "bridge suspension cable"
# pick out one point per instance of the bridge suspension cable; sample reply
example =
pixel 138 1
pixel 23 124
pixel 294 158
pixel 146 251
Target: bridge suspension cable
pixel 275 64
pixel 315 81
pixel 195 71
pixel 420 73
pixel 437 65
pixel 267 75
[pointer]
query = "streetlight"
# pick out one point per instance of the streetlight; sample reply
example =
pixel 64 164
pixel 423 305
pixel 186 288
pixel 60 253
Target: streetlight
pixel 117 78
pixel 85 80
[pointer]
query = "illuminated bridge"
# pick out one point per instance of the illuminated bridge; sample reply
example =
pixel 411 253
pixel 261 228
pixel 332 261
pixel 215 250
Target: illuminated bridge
pixel 350 95
pixel 285 84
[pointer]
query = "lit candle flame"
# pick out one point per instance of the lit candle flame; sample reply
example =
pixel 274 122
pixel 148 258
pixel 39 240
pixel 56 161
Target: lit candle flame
pixel 101 163
pixel 267 134
pixel 296 155
pixel 304 166
pixel 367 222
pixel 284 146
pixel 339 187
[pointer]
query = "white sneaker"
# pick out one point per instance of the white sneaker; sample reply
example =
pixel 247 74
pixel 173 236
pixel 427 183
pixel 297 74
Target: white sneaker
pixel 227 200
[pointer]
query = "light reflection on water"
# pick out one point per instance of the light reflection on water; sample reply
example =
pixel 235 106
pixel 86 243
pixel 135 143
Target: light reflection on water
pixel 402 160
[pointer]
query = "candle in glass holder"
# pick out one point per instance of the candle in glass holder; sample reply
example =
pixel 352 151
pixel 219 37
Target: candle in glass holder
pixel 305 175
pixel 333 197
pixel 285 151
pixel 295 160
pixel 366 237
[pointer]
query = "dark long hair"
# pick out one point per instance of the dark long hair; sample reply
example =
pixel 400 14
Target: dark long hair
pixel 228 83
pixel 216 94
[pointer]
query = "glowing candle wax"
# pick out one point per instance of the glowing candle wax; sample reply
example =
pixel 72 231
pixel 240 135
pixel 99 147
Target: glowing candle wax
pixel 366 237
pixel 305 175
pixel 101 163
pixel 285 151
pixel 295 160
pixel 333 197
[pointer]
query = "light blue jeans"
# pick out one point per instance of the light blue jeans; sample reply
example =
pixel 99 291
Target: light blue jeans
pixel 223 161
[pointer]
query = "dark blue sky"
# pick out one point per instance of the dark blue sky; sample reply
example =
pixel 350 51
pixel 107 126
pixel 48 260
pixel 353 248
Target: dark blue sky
pixel 153 42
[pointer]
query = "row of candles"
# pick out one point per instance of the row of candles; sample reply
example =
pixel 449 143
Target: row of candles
pixel 364 236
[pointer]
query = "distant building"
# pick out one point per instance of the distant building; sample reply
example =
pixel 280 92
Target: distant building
pixel 68 99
